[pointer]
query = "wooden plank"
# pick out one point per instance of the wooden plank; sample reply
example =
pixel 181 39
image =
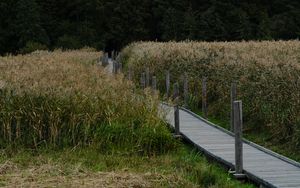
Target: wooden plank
pixel 207 134
pixel 218 143
pixel 233 98
pixel 276 176
pixel 222 143
pixel 176 110
pixel 259 157
pixel 210 141
pixel 261 160
pixel 238 130
pixel 154 83
pixel 269 159
pixel 265 164
pixel 249 152
pixel 282 180
pixel 213 148
pixel 147 72
pixel 297 184
pixel 120 67
pixel 186 90
pixel 202 140
pixel 204 97
pixel 205 131
pixel 262 166
pixel 277 172
pixel 218 146
pixel 168 83
pixel 189 121
pixel 262 172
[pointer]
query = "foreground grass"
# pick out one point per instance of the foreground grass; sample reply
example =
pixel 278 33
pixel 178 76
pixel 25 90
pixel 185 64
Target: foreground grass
pixel 90 168
pixel 64 99
pixel 112 136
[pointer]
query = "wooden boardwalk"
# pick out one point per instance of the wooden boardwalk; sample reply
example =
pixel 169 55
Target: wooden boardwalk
pixel 260 165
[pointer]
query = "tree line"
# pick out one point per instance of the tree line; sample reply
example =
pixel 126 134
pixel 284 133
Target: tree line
pixel 26 25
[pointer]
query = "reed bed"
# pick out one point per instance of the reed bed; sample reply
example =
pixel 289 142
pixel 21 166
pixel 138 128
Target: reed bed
pixel 267 73
pixel 66 99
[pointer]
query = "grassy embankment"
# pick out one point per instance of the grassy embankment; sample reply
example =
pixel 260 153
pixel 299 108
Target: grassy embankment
pixel 267 74
pixel 66 122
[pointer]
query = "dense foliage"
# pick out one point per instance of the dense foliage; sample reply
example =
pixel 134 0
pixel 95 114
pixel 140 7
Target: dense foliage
pixel 26 25
pixel 65 99
pixel 267 74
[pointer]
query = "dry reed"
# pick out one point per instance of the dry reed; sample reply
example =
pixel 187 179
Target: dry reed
pixel 268 76
pixel 65 98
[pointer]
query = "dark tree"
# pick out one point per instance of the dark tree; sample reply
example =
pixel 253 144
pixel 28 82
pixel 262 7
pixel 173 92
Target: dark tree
pixel 28 24
pixel 112 24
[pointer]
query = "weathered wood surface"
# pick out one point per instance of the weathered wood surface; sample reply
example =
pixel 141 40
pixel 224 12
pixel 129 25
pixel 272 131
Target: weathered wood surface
pixel 233 96
pixel 176 110
pixel 168 84
pixel 154 83
pixel 204 97
pixel 186 90
pixel 259 164
pixel 110 67
pixel 238 130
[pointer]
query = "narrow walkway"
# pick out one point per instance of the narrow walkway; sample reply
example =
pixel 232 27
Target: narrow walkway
pixel 109 68
pixel 261 165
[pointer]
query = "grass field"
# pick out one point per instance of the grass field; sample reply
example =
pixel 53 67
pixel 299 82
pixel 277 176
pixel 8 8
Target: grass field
pixel 66 122
pixel 88 167
pixel 267 74
pixel 64 99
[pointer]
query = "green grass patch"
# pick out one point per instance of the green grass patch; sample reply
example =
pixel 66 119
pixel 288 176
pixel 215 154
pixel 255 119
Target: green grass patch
pixel 181 168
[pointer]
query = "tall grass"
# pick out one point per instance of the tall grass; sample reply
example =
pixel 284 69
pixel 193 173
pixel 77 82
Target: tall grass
pixel 268 76
pixel 66 99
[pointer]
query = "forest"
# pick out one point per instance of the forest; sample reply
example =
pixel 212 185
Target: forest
pixel 27 25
